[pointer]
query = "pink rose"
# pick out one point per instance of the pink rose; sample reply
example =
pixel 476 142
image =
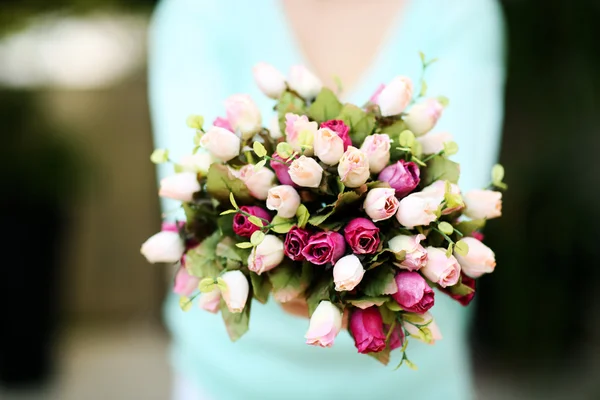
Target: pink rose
pixel 375 96
pixel 415 255
pixel 281 170
pixel 325 324
pixel 284 199
pixel 414 294
pixel 306 172
pixel 210 301
pixel 445 271
pixel 394 98
pixel 402 176
pixel 269 80
pixel 397 337
pixel 324 247
pixel 417 209
pixel 381 203
pixel 377 149
pixel 467 298
pixel 185 284
pixel 367 330
pixel 479 260
pixel 422 117
pixel 339 127
pixel 483 204
pixel 258 182
pixel 354 168
pixel 223 123
pixel 430 333
pixel 329 147
pixel 362 236
pixel 295 241
pixel 347 273
pixel 243 115
pixel 304 82
pixel 300 133
pixel 433 143
pixel 243 227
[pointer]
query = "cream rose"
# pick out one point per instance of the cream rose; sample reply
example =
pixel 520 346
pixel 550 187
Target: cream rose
pixel 306 172
pixel 483 204
pixel 347 273
pixel 377 149
pixel 258 182
pixel 243 115
pixel 445 271
pixel 395 96
pixel 328 146
pixel 267 255
pixel 417 209
pixel 163 247
pixel 479 260
pixel 325 324
pixel 422 117
pixel 354 168
pixel 284 199
pixel 433 143
pixel 304 82
pixel 181 186
pixel 224 145
pixel 381 203
pixel 415 254
pixel 236 292
pixel 269 80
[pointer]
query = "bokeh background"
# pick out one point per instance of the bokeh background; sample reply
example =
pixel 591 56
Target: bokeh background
pixel 80 308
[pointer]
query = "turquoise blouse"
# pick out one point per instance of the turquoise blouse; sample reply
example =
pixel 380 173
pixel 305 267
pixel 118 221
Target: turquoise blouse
pixel 201 51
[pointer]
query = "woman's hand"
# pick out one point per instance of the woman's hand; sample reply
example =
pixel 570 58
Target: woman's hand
pixel 299 308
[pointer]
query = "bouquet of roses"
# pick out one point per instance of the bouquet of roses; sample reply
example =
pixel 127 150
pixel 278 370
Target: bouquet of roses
pixel 354 210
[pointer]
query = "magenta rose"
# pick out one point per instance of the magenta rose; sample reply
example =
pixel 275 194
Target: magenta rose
pixel 362 236
pixel 295 241
pixel 402 176
pixel 339 127
pixel 397 336
pixel 464 299
pixel 245 228
pixel 324 247
pixel 223 123
pixel 414 294
pixel 366 327
pixel 281 170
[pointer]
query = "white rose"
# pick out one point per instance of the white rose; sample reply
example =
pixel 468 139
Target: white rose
pixel 267 255
pixel 417 209
pixel 258 182
pixel 221 143
pixel 433 143
pixel 236 292
pixel 479 260
pixel 199 162
pixel 304 82
pixel 396 95
pixel 306 172
pixel 328 146
pixel 354 168
pixel 165 246
pixel 422 117
pixel 243 115
pixel 483 204
pixel 347 273
pixel 181 186
pixel 284 199
pixel 377 149
pixel 269 80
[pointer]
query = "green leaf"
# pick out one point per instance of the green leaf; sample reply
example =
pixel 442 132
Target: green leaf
pixel 257 238
pixel 366 302
pixel 260 164
pixel 236 323
pixel 423 91
pixel 360 123
pixel 383 257
pixel 254 220
pixel 318 219
pixel 468 227
pixel 185 303
pixel 195 121
pixel 289 103
pixel 376 280
pixel 160 156
pixel 259 149
pixel 303 215
pixel 225 224
pixel 244 245
pixel 446 228
pixel 382 356
pixel 406 138
pixel 394 130
pixel 206 285
pixel 284 150
pixel 226 249
pixel 440 168
pixel 289 280
pixel 228 212
pixel 392 305
pixel 325 107
pixel 201 261
pixel 460 289
pixel 444 101
pixel 220 184
pixel 461 248
pixel 498 176
pixel 410 364
pixel 387 315
pixel 318 292
pixel 449 250
pixel 282 225
pixel 232 201
pixel 450 148
pixel 422 56
pixel 261 287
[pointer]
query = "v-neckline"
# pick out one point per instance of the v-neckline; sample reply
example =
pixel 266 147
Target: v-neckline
pixel 366 77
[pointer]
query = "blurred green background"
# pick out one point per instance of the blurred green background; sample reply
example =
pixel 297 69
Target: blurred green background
pixel 80 197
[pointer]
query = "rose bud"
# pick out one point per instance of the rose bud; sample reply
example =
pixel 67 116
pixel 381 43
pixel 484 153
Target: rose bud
pixel 324 247
pixel 236 292
pixel 342 130
pixel 414 294
pixel 354 168
pixel 479 260
pixel 198 163
pixel 245 228
pixel 300 133
pixel 437 191
pixel 284 199
pixel 445 271
pixel 325 324
pixel 397 337
pixel 306 172
pixel 381 203
pixel 210 301
pixel 417 209
pixel 367 330
pixel 483 204
pixel 185 284
pixel 347 273
pixel 281 170
pixel 394 98
pixel 258 182
pixel 375 96
pixel 402 176
pixel 304 82
pixel 221 122
pixel 422 117
pixel 267 255
pixel 243 115
pixel 295 241
pixel 221 143
pixel 163 247
pixel 181 186
pixel 415 254
pixel 467 298
pixel 377 149
pixel 362 236
pixel 428 334
pixel 433 143
pixel 329 147
pixel 274 129
pixel 269 80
